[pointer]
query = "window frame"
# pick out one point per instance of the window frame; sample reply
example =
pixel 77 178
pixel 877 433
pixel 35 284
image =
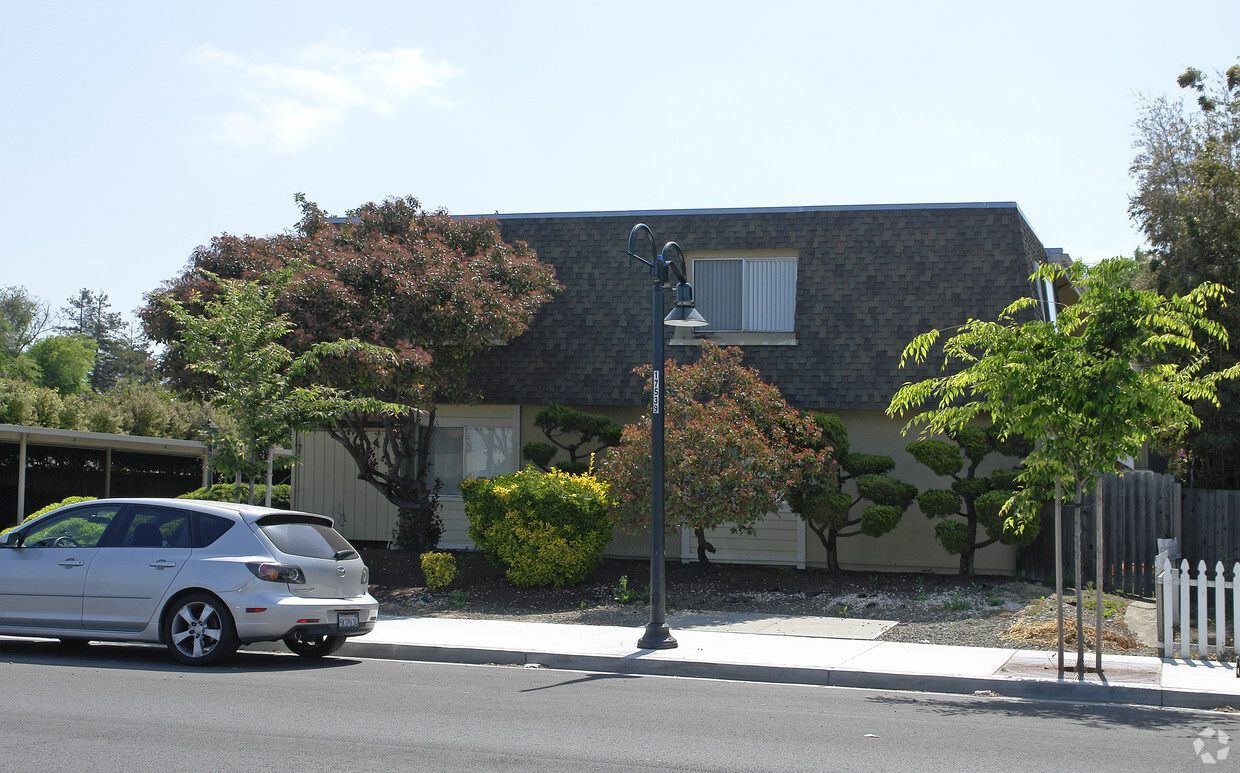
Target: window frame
pixel 744 335
pixel 510 423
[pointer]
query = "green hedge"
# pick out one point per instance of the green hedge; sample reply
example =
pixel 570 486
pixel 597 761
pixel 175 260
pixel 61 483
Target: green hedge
pixel 281 495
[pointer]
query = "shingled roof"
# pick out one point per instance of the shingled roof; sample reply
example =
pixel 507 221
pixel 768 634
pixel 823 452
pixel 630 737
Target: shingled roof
pixel 869 279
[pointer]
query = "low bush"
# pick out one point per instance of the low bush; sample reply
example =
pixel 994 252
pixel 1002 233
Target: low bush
pixel 543 528
pixel 281 495
pixel 439 570
pixel 51 507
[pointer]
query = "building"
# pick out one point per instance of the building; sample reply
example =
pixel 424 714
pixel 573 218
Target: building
pixel 821 299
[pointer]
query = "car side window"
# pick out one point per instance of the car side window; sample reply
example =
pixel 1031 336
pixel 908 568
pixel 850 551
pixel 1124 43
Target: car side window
pixel 156 527
pixel 79 527
pixel 209 528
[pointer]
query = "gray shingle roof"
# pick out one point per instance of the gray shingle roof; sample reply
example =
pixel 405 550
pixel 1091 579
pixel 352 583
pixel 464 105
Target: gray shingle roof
pixel 868 280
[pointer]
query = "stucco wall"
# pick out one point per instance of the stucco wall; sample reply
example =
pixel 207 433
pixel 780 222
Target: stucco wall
pixel 325 480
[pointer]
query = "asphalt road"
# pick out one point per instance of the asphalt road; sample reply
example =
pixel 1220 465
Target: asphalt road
pixel 117 708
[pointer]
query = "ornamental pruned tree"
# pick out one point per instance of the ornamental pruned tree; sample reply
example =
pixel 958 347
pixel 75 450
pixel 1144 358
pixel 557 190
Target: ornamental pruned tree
pixel 578 433
pixel 972 500
pixel 732 445
pixel 1088 390
pixel 1187 203
pixel 433 289
pixel 828 510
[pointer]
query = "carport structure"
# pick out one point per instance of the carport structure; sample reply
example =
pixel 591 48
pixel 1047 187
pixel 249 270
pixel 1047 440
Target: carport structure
pixel 107 444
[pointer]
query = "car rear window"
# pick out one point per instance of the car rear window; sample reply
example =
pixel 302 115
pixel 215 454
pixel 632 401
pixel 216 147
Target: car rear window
pixel 306 538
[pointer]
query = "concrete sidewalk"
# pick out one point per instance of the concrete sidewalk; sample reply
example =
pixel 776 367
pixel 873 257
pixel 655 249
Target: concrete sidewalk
pixel 802 651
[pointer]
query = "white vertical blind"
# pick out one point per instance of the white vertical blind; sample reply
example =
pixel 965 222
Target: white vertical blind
pixel 770 294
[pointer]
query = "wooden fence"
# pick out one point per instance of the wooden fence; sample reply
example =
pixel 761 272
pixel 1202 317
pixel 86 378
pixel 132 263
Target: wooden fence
pixel 1138 509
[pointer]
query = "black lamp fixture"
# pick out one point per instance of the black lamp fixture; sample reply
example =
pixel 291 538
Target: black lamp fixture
pixel 662 266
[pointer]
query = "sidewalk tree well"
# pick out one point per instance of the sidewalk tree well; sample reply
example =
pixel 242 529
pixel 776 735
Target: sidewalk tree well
pixel 433 290
pixel 977 499
pixel 579 433
pixel 1087 390
pixel 732 445
pixel 819 498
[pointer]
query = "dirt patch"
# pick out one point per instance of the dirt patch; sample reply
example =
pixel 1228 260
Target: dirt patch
pixel 932 608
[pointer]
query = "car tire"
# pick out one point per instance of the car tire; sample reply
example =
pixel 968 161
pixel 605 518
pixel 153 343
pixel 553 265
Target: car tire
pixel 199 631
pixel 314 646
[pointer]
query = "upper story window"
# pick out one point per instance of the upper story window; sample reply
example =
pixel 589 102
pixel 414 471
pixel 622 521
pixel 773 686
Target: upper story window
pixel 746 295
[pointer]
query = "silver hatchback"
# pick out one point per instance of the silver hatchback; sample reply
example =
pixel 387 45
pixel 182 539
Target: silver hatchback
pixel 201 578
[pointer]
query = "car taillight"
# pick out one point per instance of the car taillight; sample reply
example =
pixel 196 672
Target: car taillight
pixel 278 572
pixel 365 575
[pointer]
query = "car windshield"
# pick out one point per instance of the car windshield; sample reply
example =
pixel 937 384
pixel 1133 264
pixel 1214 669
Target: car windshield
pixel 306 538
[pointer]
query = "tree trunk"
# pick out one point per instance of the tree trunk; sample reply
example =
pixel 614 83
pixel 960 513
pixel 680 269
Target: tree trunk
pixel 393 455
pixel 418 528
pixel 833 550
pixel 703 547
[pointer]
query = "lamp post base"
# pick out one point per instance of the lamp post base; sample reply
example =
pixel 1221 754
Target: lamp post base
pixel 657 637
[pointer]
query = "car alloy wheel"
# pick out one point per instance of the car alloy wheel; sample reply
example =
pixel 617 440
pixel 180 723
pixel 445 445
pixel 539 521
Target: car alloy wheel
pixel 199 630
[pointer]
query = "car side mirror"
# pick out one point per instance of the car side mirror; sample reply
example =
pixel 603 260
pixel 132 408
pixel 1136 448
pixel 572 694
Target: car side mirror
pixel 11 540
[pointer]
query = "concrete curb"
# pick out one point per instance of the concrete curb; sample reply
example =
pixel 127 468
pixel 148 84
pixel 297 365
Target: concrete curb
pixel 648 663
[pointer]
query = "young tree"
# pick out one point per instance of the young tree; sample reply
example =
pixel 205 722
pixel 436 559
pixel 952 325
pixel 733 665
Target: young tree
pixel 433 289
pixel 570 430
pixel 733 447
pixel 1187 170
pixel 235 340
pixel 1088 390
pixel 977 499
pixel 819 498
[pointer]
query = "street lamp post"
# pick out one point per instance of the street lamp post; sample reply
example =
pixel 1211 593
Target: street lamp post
pixel 657 635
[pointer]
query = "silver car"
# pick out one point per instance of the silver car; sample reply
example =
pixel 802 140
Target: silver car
pixel 201 578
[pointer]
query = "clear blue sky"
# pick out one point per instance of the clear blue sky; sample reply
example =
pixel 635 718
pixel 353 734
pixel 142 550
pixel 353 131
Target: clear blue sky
pixel 134 131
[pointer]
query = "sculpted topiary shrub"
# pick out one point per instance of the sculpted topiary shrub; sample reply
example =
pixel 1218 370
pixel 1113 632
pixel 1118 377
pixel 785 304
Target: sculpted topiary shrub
pixel 543 528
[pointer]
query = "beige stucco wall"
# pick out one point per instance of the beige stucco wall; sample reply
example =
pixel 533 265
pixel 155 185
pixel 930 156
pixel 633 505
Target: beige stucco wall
pixel 911 546
pixel 325 480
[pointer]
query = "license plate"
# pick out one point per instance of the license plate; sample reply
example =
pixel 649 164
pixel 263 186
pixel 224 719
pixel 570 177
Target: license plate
pixel 348 620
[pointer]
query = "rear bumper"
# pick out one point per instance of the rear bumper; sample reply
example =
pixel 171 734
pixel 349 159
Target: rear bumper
pixel 280 616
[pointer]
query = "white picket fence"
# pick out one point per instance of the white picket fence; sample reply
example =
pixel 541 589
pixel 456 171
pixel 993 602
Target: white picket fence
pixel 1174 592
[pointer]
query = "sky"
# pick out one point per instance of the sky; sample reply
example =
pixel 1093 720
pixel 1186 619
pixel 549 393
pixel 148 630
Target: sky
pixel 135 131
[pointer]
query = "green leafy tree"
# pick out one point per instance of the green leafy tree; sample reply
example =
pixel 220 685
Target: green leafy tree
pixel 1088 390
pixel 434 290
pixel 64 362
pixel 972 500
pixel 829 511
pixel 733 447
pixel 23 319
pixel 122 351
pixel 235 340
pixel 579 433
pixel 1187 203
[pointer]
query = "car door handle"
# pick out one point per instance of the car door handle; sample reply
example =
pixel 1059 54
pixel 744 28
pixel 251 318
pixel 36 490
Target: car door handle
pixel 70 562
pixel 162 563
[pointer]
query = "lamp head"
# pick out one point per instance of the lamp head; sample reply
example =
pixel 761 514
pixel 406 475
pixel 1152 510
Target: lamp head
pixel 684 314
